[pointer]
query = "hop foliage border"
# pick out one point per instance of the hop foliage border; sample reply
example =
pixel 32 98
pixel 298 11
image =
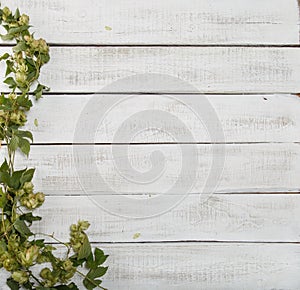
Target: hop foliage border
pixel 21 250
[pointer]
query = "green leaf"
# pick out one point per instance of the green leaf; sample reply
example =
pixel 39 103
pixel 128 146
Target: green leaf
pixel 6 104
pixel 4 56
pixel 22 228
pixel 39 243
pixel 9 67
pixel 6 26
pixel 29 62
pixel 32 74
pixel 90 263
pixel 17 14
pixel 29 217
pixel 75 261
pixel 85 250
pixel 27 176
pixel 4 173
pixel 10 82
pixel 90 282
pixel 3 198
pixel 45 58
pixel 24 146
pixel 21 46
pixel 28 285
pixel 14 143
pixel 39 91
pixel 24 101
pixel 18 29
pixel 5 177
pixel 100 257
pixel 6 37
pixel 24 134
pixel 97 273
pixel 12 284
pixel 71 286
pixel 4 166
pixel 15 179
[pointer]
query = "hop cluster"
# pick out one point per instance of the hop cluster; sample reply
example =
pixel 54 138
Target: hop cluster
pixel 77 234
pixel 20 251
pixel 36 45
pixel 63 271
pixel 16 115
pixel 8 261
pixel 7 17
pixel 28 198
pixel 18 118
pixel 20 276
pixel 29 256
pixel 16 255
pixel 21 70
pixel 29 52
pixel 6 12
pixel 23 20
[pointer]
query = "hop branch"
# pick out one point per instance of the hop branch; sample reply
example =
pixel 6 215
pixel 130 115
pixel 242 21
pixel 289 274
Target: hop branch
pixel 20 250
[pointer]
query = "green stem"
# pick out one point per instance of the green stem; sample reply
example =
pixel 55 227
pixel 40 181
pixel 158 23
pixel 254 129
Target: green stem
pixel 35 278
pixel 55 239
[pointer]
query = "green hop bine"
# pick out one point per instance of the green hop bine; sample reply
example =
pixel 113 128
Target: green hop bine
pixel 31 262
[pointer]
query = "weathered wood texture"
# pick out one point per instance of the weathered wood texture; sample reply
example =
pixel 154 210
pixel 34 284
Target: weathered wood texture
pixel 160 69
pixel 247 168
pixel 190 22
pixel 207 69
pixel 236 217
pixel 244 240
pixel 243 118
pixel 196 266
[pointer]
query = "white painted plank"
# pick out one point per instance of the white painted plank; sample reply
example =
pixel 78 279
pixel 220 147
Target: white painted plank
pixel 164 22
pixel 165 168
pixel 248 217
pixel 196 266
pixel 173 69
pixel 242 118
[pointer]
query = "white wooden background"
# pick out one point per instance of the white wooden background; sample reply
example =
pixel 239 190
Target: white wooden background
pixel 245 56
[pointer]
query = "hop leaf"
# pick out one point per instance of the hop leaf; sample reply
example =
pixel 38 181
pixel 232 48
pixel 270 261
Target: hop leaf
pixel 91 281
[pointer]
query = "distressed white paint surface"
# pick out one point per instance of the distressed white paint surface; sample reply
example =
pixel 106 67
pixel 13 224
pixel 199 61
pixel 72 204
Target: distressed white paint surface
pixel 164 22
pixel 150 262
pixel 172 69
pixel 196 266
pixel 217 69
pixel 247 168
pixel 223 217
pixel 243 118
pixel 204 266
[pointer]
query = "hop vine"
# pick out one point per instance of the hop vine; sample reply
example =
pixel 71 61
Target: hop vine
pixel 30 261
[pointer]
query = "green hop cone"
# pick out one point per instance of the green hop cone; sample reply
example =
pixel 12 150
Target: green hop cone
pixel 24 19
pixel 20 277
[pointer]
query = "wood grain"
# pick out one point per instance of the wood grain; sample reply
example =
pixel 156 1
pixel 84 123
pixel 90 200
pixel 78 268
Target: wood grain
pixel 247 217
pixel 200 266
pixel 243 118
pixel 245 240
pixel 194 22
pixel 159 168
pixel 173 69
